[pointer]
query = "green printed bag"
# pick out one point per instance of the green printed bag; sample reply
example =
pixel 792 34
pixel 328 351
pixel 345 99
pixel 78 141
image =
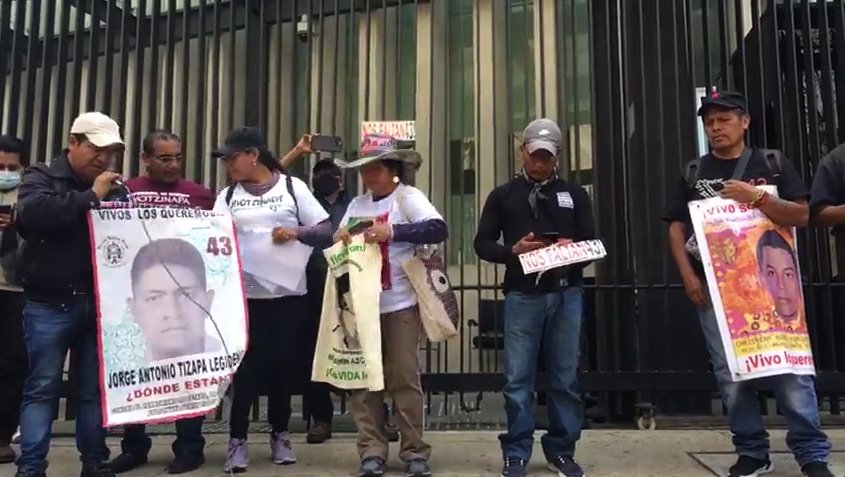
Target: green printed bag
pixel 348 353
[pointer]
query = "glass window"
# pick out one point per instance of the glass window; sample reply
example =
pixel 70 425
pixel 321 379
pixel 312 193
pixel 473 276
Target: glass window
pixel 461 191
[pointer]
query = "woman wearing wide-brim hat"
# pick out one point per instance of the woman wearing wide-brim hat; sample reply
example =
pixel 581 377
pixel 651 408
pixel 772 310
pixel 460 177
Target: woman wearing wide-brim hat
pixel 403 218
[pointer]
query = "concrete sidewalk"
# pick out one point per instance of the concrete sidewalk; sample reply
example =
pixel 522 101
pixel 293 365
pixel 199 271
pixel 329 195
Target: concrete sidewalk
pixel 603 453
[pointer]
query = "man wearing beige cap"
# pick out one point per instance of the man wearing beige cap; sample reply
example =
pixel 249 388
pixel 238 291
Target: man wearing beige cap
pixel 57 278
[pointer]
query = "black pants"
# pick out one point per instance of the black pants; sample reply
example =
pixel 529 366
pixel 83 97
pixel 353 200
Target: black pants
pixel 12 363
pixel 189 440
pixel 274 363
pixel 317 405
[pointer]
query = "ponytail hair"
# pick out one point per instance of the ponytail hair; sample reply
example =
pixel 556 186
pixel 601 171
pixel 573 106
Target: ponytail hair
pixel 268 159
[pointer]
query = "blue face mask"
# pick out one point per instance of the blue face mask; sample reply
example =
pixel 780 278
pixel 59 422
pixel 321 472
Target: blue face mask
pixel 9 180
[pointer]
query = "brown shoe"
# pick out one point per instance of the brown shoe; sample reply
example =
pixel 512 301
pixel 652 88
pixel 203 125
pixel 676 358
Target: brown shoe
pixel 7 455
pixel 320 432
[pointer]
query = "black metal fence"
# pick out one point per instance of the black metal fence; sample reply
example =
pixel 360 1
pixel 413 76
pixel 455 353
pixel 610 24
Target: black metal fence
pixel 622 77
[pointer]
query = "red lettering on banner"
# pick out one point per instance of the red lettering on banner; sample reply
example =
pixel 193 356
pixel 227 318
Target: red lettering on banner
pixel 160 390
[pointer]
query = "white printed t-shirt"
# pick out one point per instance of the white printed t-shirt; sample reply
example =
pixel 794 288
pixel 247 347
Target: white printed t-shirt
pixel 397 293
pixel 255 217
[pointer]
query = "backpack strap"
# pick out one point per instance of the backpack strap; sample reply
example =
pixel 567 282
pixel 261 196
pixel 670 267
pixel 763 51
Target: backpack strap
pixel 774 159
pixel 289 185
pixel 229 193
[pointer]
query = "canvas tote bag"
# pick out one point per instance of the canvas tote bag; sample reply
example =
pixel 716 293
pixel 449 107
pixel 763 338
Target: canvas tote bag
pixel 348 352
pixel 426 271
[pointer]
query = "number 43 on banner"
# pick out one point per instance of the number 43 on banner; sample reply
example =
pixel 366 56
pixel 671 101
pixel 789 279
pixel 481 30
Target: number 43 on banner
pixel 219 246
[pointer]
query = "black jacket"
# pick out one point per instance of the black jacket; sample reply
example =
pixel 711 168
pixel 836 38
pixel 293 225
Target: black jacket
pixel 507 213
pixel 52 217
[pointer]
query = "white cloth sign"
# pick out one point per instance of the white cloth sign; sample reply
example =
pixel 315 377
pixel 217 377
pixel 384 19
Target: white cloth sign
pixel 171 311
pixel 558 255
pixel 348 353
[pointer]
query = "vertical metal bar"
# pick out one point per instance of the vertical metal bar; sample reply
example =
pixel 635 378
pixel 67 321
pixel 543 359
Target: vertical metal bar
pixel 541 49
pixel 398 78
pixel 58 125
pixel 309 71
pixel 201 118
pixel 232 63
pixel 122 84
pixel 109 54
pixel 184 132
pixel 46 82
pixel 18 45
pixel 277 111
pixel 78 57
pixel 705 35
pixel 742 80
pixel 761 71
pixel 828 91
pixel 724 70
pixel 526 51
pixel 215 91
pixel 318 114
pixel 93 57
pixel 775 56
pixel 294 92
pixel 5 39
pixel 839 73
pixel 335 68
pixel 138 83
pixel 262 67
pixel 152 88
pixel 169 65
pixel 383 84
pixel 31 72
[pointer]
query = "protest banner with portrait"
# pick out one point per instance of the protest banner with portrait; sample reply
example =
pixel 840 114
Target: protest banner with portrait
pixel 348 352
pixel 753 277
pixel 171 311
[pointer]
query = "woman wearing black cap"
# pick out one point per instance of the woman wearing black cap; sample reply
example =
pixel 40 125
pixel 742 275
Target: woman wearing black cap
pixel 275 214
pixel 403 218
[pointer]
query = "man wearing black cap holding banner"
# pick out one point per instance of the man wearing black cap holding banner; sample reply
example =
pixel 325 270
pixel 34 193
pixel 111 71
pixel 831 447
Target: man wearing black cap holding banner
pixel 532 211
pixel 732 170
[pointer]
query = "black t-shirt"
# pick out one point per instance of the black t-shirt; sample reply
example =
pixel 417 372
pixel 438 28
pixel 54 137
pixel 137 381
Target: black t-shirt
pixel 712 171
pixel 829 184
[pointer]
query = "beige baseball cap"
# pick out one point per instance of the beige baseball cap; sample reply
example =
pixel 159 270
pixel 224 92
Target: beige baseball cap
pixel 100 129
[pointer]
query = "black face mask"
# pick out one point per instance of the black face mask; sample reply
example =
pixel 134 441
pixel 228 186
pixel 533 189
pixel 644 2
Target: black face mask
pixel 326 185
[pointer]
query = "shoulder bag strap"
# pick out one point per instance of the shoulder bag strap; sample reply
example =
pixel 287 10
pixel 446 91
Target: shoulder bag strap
pixel 739 170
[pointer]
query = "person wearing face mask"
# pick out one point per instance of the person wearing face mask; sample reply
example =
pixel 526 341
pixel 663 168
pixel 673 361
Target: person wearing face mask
pixel 12 349
pixel 327 185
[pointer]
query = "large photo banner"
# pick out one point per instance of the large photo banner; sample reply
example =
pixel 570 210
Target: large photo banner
pixel 753 277
pixel 171 311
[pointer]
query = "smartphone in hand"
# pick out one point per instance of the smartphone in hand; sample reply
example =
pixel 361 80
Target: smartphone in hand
pixel 320 143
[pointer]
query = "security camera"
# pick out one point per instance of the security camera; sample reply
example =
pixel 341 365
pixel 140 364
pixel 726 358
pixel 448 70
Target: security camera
pixel 303 30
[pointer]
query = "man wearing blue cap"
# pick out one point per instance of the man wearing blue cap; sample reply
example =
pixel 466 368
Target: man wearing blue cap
pixel 733 170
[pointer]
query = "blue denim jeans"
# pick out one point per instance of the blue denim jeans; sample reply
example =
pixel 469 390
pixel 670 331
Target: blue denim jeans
pixel 553 320
pixel 50 330
pixel 795 396
pixel 189 440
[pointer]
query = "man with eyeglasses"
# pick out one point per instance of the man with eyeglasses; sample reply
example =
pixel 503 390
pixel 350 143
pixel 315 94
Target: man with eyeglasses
pixel 164 186
pixel 57 276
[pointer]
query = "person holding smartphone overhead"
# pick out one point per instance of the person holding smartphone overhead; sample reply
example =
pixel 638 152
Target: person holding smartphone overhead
pixel 535 209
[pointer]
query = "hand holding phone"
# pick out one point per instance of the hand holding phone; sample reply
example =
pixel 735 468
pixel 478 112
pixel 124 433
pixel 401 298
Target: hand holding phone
pixel 320 143
pixel 360 227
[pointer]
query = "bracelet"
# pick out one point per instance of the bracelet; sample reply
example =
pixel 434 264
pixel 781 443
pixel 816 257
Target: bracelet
pixel 760 198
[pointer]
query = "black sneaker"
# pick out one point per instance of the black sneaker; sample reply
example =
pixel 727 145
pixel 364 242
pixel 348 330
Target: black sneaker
pixel 565 466
pixel 747 466
pixel 101 470
pixel 816 469
pixel 417 468
pixel 126 462
pixel 185 463
pixel 372 467
pixel 515 467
